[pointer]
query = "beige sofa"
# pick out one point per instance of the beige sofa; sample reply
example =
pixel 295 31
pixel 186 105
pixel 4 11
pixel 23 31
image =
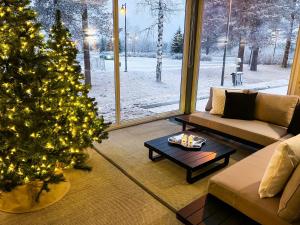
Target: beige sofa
pixel 238 185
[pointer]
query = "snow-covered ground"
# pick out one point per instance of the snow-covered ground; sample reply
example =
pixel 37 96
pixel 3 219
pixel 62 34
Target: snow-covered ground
pixel 142 96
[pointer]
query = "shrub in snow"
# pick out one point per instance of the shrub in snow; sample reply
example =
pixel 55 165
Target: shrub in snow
pixel 206 58
pixel 177 56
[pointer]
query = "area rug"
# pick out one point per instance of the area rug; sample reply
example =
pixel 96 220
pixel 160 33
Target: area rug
pixel 164 179
pixel 104 196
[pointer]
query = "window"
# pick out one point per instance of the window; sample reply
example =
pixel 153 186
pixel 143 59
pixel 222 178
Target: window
pixel 151 36
pixel 247 44
pixel 151 52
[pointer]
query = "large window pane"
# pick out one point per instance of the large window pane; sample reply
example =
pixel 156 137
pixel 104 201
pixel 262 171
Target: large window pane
pixel 259 44
pixel 150 56
pixel 100 38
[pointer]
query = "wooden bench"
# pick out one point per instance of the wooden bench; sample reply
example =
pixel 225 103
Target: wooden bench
pixel 209 210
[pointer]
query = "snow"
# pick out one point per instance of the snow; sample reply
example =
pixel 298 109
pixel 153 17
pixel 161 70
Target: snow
pixel 142 96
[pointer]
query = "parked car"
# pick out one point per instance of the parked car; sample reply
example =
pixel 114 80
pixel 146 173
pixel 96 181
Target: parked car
pixel 109 55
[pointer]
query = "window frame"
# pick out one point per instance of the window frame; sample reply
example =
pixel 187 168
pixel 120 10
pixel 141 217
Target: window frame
pixel 119 123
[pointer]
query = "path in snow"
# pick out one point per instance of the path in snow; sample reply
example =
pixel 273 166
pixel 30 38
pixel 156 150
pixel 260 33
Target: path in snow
pixel 142 96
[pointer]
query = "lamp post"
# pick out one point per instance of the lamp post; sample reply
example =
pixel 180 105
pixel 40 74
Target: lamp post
pixel 226 42
pixel 124 12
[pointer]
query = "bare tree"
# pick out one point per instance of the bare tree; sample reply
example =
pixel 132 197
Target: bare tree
pixel 249 18
pixel 160 10
pixel 214 23
pixel 291 9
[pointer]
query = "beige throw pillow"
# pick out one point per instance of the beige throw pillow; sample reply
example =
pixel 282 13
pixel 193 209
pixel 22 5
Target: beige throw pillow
pixel 289 207
pixel 281 166
pixel 219 98
pixel 276 109
pixel 208 106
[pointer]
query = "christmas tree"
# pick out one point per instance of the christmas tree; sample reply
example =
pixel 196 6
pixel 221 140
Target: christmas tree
pixel 78 112
pixel 46 116
pixel 177 43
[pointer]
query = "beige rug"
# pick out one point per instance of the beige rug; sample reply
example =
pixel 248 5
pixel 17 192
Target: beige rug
pixel 103 197
pixel 164 179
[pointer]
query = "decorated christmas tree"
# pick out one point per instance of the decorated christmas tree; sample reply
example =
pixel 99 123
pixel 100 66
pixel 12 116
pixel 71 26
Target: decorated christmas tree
pixel 77 111
pixel 46 116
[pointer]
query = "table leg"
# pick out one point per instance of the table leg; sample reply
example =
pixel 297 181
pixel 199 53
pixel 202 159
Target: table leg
pixel 226 161
pixel 154 158
pixel 189 178
pixel 183 126
pixel 192 179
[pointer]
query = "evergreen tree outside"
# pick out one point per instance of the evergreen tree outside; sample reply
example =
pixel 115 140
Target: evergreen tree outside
pixel 177 43
pixel 103 44
pixel 46 116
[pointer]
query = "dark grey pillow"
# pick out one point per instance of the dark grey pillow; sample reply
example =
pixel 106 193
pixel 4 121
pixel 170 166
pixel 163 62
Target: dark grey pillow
pixel 294 127
pixel 239 106
pixel 211 91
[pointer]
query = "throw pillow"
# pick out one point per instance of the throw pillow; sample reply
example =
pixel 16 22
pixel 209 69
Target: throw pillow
pixel 294 127
pixel 281 166
pixel 239 105
pixel 290 200
pixel 208 106
pixel 218 100
pixel 276 109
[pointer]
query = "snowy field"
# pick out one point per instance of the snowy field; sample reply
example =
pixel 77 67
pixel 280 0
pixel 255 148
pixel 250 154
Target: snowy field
pixel 142 96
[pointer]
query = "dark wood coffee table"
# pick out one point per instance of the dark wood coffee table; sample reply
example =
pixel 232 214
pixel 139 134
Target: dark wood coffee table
pixel 193 161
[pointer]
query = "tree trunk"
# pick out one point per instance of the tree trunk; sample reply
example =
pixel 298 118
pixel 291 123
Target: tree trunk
pixel 250 57
pixel 254 60
pixel 288 43
pixel 207 46
pixel 86 45
pixel 241 54
pixel 160 41
pixel 286 53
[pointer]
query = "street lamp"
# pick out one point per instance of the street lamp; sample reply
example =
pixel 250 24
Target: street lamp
pixel 124 12
pixel 226 42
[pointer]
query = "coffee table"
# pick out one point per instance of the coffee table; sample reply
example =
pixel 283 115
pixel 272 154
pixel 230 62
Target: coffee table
pixel 193 161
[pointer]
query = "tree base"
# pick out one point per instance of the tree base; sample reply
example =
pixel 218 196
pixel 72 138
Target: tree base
pixel 22 198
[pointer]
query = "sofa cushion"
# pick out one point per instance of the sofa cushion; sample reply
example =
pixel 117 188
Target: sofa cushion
pixel 255 131
pixel 218 101
pixel 238 187
pixel 276 109
pixel 281 166
pixel 290 200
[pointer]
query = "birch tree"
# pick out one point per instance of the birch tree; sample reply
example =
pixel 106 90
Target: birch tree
pixel 160 10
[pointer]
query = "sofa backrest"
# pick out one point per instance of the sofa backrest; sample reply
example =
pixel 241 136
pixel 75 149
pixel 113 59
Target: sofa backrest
pixel 276 109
